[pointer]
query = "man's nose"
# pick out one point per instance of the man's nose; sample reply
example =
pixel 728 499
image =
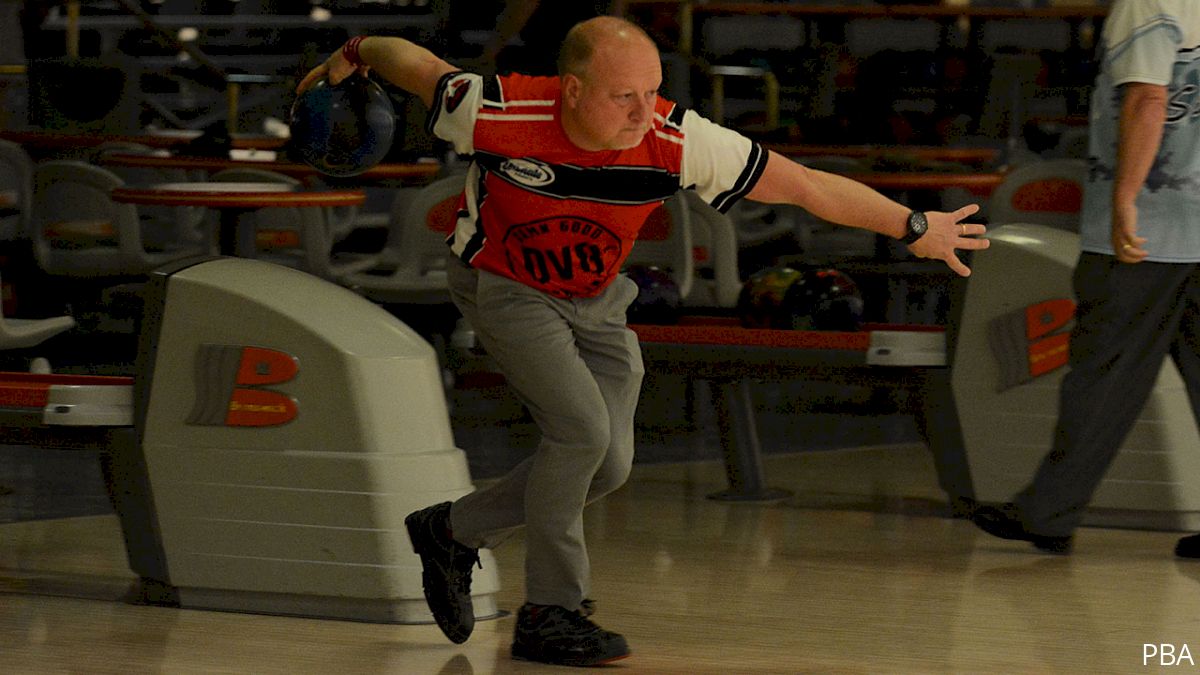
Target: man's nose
pixel 639 110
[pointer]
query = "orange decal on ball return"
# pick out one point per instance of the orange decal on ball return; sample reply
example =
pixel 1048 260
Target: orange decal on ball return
pixel 265 366
pixel 230 387
pixel 1048 316
pixel 259 408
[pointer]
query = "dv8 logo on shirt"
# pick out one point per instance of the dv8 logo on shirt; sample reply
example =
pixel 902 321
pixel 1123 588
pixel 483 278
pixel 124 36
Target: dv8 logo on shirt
pixel 562 252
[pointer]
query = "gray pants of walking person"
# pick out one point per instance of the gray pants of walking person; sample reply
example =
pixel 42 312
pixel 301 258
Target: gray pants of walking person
pixel 578 369
pixel 1129 318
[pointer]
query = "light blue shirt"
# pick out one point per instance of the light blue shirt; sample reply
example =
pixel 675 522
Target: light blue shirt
pixel 1155 42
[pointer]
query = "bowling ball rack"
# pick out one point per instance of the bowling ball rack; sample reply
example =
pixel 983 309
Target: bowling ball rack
pixel 732 358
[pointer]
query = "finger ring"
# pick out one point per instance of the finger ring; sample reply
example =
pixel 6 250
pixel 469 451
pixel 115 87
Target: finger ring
pixel 964 229
pixel 1126 246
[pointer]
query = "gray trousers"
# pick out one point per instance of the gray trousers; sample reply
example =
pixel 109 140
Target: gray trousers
pixel 1129 318
pixel 578 369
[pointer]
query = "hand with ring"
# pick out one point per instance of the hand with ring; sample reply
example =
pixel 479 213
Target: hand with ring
pixel 1127 245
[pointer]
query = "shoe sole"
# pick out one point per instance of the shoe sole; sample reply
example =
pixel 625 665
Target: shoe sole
pixel 574 663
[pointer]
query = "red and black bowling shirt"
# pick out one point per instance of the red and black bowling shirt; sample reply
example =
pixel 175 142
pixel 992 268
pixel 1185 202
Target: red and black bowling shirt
pixel 539 210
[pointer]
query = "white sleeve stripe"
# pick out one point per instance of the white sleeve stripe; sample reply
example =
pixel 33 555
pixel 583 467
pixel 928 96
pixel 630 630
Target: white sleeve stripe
pixel 518 104
pixel 745 181
pixel 720 164
pixel 674 138
pixel 509 117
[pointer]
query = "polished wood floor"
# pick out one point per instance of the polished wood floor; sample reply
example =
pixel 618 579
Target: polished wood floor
pixel 860 572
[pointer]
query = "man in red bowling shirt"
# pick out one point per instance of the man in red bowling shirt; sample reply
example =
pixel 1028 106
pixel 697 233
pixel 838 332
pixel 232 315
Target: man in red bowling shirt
pixel 564 171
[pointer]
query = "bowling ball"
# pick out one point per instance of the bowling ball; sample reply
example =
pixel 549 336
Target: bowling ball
pixel 824 299
pixel 658 300
pixel 343 129
pixel 761 302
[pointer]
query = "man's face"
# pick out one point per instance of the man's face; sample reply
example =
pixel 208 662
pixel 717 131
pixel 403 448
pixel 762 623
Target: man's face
pixel 612 106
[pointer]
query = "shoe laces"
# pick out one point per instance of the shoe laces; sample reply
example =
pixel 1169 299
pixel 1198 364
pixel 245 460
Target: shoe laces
pixel 462 563
pixel 572 622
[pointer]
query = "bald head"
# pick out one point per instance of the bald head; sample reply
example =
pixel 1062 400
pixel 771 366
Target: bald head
pixel 601 34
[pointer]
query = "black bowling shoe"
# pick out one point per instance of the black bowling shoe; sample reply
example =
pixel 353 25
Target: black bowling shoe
pixel 1188 547
pixel 1004 521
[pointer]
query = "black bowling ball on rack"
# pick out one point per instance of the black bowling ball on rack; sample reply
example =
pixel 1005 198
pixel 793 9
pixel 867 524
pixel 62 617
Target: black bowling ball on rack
pixel 789 298
pixel 825 299
pixel 658 301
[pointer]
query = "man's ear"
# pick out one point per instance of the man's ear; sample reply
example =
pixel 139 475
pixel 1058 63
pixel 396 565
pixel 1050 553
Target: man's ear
pixel 571 86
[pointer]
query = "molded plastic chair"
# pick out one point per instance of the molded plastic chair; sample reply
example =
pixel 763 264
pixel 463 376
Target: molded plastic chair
pixel 16 182
pixel 421 220
pixel 163 227
pixel 293 236
pixel 1047 192
pixel 665 241
pixel 79 231
pixel 22 333
pixel 714 250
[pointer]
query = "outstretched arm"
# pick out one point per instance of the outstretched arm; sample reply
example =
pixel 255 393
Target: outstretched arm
pixel 845 201
pixel 405 64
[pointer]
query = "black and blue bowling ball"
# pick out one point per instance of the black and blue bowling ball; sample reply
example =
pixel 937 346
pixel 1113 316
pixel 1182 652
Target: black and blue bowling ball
pixel 761 303
pixel 343 129
pixel 824 299
pixel 658 301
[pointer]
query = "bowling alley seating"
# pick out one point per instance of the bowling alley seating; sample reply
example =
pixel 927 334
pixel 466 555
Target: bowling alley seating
pixel 79 231
pixel 162 226
pixel 415 251
pixel 22 333
pixel 735 47
pixel 714 253
pixel 1045 192
pixel 16 182
pixel 302 238
pixel 665 241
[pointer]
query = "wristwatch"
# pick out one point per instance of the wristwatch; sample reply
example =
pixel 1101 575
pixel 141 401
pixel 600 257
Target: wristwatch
pixel 917 225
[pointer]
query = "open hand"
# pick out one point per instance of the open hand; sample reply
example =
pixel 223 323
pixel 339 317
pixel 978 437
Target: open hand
pixel 947 234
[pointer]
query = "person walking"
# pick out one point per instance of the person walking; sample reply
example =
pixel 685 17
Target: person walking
pixel 1137 282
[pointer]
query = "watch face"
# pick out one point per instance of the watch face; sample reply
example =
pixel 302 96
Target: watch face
pixel 918 223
